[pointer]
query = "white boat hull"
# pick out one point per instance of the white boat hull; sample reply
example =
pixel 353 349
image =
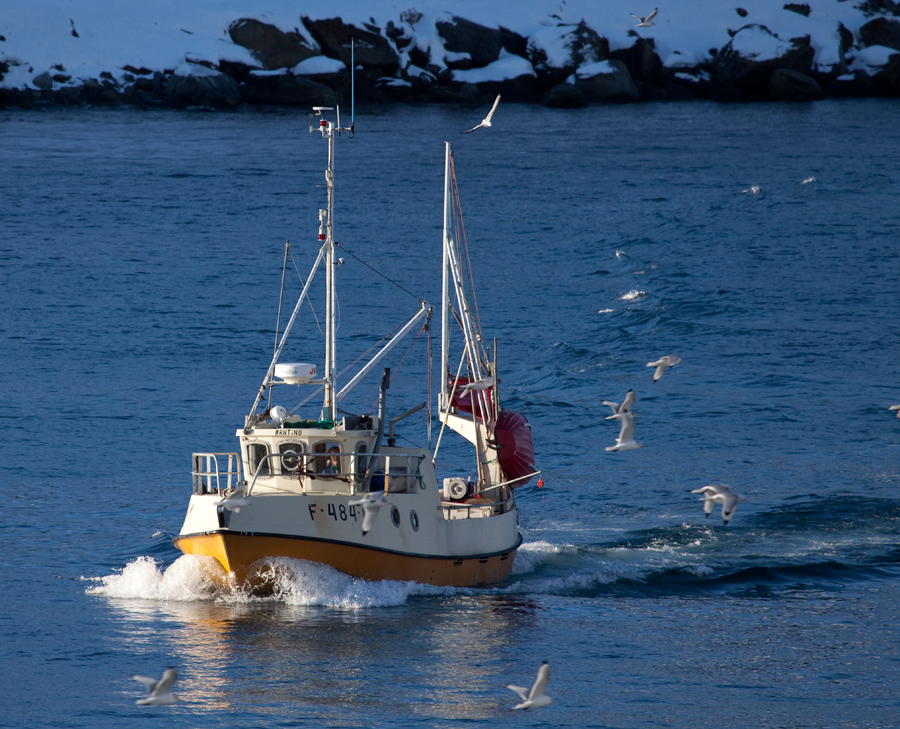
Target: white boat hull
pixel 445 544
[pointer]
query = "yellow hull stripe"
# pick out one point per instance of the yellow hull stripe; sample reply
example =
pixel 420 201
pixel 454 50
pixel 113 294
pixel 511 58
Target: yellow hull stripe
pixel 237 552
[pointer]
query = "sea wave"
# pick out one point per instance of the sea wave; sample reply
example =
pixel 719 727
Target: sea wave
pixel 297 582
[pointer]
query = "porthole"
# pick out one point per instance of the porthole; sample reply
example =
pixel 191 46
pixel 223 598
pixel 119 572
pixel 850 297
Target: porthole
pixel 395 516
pixel 414 520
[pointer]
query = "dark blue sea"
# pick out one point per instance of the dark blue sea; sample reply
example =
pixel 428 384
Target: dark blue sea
pixel 140 270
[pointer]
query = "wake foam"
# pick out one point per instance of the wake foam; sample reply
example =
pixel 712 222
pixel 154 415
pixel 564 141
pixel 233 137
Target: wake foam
pixel 187 579
pixel 532 555
pixel 192 578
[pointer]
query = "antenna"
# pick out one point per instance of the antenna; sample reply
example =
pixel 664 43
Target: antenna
pixel 352 88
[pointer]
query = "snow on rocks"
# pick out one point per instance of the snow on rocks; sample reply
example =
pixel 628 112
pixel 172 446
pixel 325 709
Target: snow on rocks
pixel 197 54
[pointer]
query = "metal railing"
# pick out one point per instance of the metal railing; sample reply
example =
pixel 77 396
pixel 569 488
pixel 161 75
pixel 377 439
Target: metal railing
pixel 394 473
pixel 207 473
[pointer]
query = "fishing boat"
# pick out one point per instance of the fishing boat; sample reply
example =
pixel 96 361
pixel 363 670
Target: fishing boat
pixel 336 488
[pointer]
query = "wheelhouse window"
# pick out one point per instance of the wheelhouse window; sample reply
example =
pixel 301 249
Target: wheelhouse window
pixel 328 460
pixel 291 458
pixel 256 455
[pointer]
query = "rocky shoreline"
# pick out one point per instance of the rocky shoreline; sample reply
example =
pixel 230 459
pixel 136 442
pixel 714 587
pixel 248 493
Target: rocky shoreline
pixel 476 62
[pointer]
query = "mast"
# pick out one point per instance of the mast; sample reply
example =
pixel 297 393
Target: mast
pixel 330 359
pixel 326 235
pixel 444 403
pixel 477 427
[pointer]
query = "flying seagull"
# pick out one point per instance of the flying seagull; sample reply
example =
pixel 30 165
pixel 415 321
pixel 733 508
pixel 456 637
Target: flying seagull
pixel 160 692
pixel 718 493
pixel 623 408
pixel 236 500
pixel 663 363
pixel 535 698
pixel 895 407
pixel 486 122
pixel 371 503
pixel 483 384
pixel 625 441
pixel 646 22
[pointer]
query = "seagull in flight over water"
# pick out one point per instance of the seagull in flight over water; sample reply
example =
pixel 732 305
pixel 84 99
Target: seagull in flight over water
pixel 160 692
pixel 486 122
pixel 718 493
pixel 535 698
pixel 623 408
pixel 371 503
pixel 895 407
pixel 663 363
pixel 625 441
pixel 645 22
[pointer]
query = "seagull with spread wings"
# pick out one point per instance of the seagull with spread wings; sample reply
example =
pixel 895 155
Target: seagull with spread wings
pixel 617 408
pixel 663 363
pixel 486 122
pixel 371 503
pixel 625 441
pixel 645 22
pixel 719 493
pixel 159 692
pixel 535 698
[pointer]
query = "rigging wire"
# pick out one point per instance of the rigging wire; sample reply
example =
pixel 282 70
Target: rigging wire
pixel 462 240
pixel 308 300
pixel 350 365
pixel 397 368
pixel 287 247
pixel 375 270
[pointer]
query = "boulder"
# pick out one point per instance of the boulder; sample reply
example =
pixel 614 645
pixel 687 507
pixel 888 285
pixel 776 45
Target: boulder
pixel 679 92
pixel 327 71
pixel 369 49
pixel 482 44
pixel 749 59
pixel 799 8
pixel 99 94
pixel 606 82
pixel 273 47
pixel 642 62
pixel 685 78
pixel 564 96
pixel 287 90
pixel 194 85
pixel 556 51
pixel 788 85
pixel 881 32
pixel 43 81
pixel 857 86
pixel 512 76
pixel 512 42
pixel 146 92
pixel 398 35
pixel 888 78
